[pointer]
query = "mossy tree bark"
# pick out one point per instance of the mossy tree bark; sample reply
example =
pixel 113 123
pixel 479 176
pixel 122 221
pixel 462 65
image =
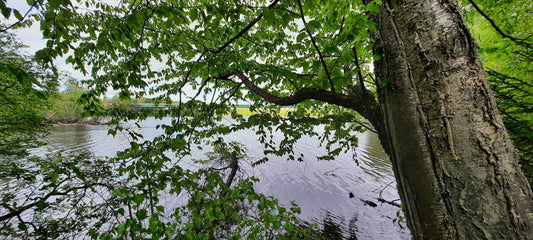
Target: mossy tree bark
pixel 456 168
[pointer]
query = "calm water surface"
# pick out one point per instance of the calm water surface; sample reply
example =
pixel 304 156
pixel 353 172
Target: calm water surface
pixel 320 188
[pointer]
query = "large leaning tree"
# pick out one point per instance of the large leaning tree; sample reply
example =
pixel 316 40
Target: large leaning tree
pixel 426 94
pixel 507 53
pixel 449 147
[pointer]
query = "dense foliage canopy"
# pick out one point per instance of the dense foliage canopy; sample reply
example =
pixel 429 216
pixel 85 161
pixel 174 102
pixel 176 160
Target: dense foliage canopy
pixel 209 56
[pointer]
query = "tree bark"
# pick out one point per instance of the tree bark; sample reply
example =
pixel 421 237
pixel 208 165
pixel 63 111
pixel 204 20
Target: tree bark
pixel 456 168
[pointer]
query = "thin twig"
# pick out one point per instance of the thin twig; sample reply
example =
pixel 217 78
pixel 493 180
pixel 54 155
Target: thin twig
pixel 359 74
pixel 389 202
pixel 19 21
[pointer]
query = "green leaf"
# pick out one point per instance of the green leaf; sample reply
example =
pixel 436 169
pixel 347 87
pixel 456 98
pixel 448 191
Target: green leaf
pixel 311 28
pixel 193 14
pixel 314 24
pixel 138 199
pixel 141 214
pixel 46 25
pixel 154 223
pixel 53 175
pixel 132 19
pixel 160 209
pixel 49 16
pixel 301 36
pixel 120 211
pixel 22 226
pixel 54 3
pixel 6 12
pixel 269 15
pixel 17 15
pixel 121 228
pixel 309 5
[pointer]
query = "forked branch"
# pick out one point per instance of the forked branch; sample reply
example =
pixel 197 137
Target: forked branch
pixel 361 102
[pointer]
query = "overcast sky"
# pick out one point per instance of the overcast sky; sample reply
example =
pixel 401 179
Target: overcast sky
pixel 30 36
pixel 33 38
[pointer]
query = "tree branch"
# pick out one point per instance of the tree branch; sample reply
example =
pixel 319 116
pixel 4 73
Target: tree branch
pixel 316 47
pixel 389 202
pixel 361 102
pixel 520 41
pixel 340 30
pixel 19 21
pixel 244 30
pixel 359 69
pixel 54 192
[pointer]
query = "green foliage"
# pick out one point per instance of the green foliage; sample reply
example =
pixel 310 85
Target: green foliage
pixel 65 195
pixel 24 88
pixel 213 209
pixel 147 49
pixel 195 54
pixel 65 106
pixel 52 197
pixel 126 104
pixel 207 56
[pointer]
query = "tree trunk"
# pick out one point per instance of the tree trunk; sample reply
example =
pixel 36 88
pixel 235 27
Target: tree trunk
pixel 456 168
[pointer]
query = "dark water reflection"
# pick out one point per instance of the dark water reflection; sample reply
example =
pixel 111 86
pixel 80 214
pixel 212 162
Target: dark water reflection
pixel 333 194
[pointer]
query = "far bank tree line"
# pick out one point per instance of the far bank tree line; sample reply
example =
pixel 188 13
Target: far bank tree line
pixel 63 106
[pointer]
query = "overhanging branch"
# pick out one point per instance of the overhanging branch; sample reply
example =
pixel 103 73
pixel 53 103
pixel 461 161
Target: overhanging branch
pixel 362 101
pixel 55 192
pixel 299 96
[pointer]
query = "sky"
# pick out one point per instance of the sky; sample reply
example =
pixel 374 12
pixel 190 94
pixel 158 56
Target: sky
pixel 33 38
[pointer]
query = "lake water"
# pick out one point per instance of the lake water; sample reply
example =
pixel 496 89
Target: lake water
pixel 320 188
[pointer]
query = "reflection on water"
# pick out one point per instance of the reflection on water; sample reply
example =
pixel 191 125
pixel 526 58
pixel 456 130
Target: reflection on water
pixel 375 161
pixel 71 138
pixel 333 194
